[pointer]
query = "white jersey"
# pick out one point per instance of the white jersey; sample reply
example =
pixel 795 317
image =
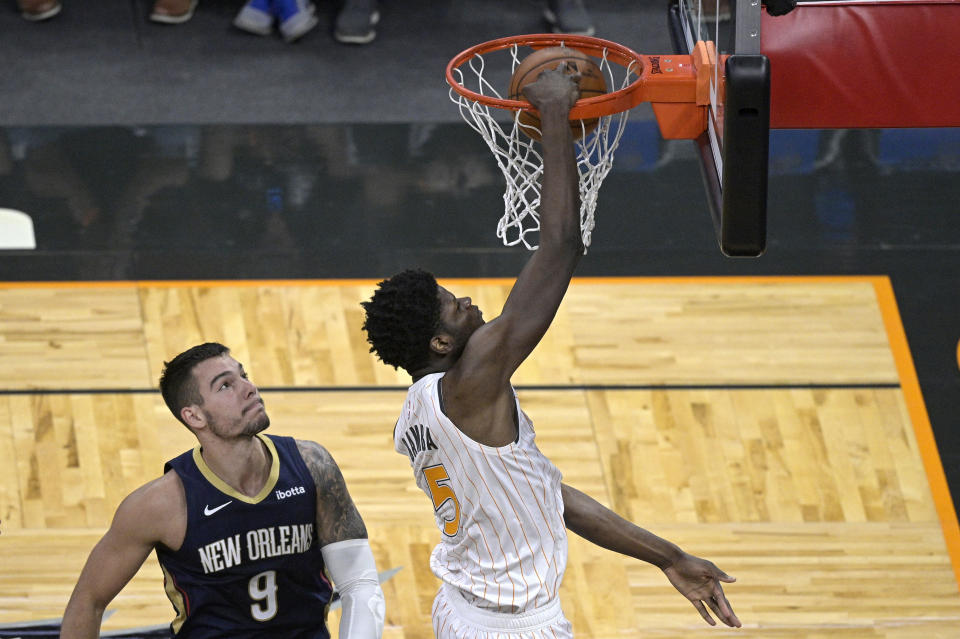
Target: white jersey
pixel 499 510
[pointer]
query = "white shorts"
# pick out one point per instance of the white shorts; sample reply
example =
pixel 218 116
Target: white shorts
pixel 454 618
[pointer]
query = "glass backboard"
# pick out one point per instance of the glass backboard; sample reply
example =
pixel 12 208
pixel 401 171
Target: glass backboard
pixel 733 150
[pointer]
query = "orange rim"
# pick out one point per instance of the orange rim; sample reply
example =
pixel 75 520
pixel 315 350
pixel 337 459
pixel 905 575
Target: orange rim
pixel 607 104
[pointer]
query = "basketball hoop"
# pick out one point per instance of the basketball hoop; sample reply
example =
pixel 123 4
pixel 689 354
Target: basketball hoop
pixel 473 78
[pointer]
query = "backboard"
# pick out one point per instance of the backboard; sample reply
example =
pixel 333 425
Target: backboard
pixel 733 150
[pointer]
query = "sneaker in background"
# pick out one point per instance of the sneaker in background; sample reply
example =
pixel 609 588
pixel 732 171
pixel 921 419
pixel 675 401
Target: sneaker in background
pixel 173 11
pixel 296 17
pixel 36 10
pixel 255 17
pixel 568 16
pixel 356 21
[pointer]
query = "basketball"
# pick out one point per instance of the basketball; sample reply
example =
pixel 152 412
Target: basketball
pixel 591 84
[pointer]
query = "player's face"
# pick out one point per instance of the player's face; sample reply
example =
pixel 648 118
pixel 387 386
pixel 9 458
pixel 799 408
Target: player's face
pixel 459 316
pixel 232 406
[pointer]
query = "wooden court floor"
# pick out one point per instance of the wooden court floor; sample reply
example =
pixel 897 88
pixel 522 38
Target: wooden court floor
pixel 773 425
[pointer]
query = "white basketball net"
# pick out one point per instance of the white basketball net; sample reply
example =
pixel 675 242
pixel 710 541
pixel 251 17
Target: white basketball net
pixel 522 164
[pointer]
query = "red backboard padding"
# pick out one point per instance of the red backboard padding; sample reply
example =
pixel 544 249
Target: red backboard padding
pixel 877 64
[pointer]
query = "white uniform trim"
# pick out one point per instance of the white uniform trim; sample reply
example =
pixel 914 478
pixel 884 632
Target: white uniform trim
pixel 454 618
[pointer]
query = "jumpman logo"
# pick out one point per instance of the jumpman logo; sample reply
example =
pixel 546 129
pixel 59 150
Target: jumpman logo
pixel 207 510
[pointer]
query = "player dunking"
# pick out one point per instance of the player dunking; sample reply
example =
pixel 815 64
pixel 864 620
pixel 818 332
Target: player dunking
pixel 499 502
pixel 244 525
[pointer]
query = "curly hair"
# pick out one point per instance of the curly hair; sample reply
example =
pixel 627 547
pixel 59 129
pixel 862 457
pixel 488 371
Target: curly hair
pixel 177 383
pixel 401 317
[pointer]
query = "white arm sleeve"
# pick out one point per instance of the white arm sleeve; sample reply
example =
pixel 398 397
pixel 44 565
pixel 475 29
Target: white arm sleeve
pixel 354 573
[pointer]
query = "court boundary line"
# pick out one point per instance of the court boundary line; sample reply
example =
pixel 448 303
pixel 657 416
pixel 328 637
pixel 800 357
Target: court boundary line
pixel 917 409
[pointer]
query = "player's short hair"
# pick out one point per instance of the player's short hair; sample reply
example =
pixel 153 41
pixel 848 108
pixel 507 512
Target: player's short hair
pixel 402 317
pixel 178 385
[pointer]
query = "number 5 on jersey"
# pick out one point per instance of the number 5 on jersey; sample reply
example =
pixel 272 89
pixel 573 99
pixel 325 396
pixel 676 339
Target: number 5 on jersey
pixel 441 493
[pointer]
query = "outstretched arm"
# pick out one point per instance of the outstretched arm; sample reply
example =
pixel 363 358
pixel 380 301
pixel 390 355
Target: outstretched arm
pixel 497 349
pixel 342 536
pixel 541 285
pixel 697 579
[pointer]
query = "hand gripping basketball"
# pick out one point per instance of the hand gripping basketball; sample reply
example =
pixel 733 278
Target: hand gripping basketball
pixel 590 81
pixel 554 86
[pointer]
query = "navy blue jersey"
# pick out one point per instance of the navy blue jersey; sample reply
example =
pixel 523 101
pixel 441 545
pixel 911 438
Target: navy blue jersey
pixel 249 566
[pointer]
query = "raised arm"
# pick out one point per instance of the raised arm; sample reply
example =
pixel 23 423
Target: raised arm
pixel 147 516
pixel 342 536
pixel 498 348
pixel 696 579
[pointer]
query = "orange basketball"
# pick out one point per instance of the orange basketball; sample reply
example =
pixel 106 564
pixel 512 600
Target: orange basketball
pixel 591 84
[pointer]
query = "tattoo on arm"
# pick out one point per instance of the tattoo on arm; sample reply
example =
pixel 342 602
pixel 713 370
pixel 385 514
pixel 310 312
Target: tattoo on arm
pixel 337 516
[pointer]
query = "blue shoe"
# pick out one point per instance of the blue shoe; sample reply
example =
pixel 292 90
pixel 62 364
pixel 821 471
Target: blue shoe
pixel 256 17
pixel 296 17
